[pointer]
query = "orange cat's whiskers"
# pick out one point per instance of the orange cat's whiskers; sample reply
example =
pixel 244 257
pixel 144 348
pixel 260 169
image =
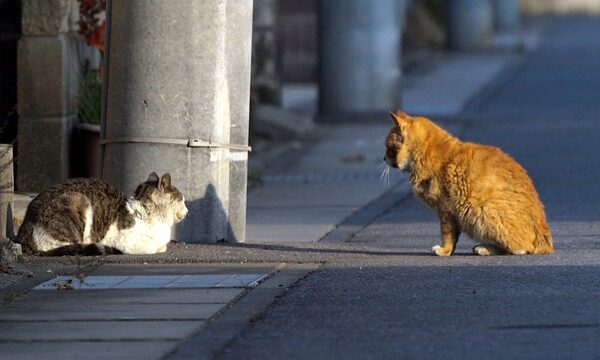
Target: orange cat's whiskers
pixel 381 169
pixel 387 176
pixel 385 173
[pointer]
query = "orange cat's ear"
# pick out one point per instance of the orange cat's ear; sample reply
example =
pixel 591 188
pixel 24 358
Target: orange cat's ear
pixel 399 118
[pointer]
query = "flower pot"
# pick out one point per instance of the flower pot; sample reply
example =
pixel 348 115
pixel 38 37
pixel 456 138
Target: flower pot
pixel 87 145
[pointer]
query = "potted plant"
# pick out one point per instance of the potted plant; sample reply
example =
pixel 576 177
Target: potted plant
pixel 87 131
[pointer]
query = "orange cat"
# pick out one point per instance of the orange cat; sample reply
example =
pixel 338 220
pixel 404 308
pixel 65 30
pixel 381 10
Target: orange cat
pixel 474 188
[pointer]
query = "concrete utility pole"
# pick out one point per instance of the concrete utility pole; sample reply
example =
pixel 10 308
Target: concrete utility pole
pixel 359 55
pixel 177 97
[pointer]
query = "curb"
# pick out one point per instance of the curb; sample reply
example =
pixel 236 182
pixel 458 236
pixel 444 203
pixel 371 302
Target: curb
pixel 367 214
pixel 220 331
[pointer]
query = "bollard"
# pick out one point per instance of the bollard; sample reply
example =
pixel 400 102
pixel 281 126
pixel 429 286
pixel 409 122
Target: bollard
pixel 469 23
pixel 176 100
pixel 360 55
pixel 6 192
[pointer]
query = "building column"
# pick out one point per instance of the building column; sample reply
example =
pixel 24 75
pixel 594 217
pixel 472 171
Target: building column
pixel 469 23
pixel 507 15
pixel 266 84
pixel 359 55
pixel 47 83
pixel 178 71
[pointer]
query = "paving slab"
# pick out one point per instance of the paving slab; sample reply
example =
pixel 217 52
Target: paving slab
pixel 87 350
pixel 96 331
pixel 285 192
pixel 148 296
pixel 96 282
pixel 124 307
pixel 127 268
pixel 293 225
pixel 80 310
pixel 335 152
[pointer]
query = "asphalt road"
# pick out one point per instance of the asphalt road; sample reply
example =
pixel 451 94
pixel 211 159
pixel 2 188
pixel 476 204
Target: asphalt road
pixel 384 297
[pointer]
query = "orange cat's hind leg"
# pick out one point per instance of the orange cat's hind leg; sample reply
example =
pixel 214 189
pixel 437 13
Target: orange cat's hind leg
pixel 519 252
pixel 487 250
pixel 500 229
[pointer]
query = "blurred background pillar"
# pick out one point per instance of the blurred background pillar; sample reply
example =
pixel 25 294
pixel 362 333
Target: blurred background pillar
pixel 469 23
pixel 266 83
pixel 506 15
pixel 178 71
pixel 360 55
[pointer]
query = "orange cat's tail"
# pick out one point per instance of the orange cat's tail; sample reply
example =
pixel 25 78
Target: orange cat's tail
pixel 543 244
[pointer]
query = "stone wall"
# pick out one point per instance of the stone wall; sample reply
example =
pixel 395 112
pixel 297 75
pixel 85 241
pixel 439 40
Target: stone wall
pixel 560 6
pixel 48 72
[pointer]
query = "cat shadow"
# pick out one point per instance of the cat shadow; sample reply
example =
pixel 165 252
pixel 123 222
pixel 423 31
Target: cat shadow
pixel 9 224
pixel 289 248
pixel 461 253
pixel 212 225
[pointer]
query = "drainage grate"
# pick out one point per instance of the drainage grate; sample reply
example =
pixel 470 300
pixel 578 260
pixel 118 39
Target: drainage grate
pixel 153 282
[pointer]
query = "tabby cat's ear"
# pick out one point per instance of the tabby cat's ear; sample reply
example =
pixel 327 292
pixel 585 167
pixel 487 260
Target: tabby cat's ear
pixel 165 182
pixel 399 118
pixel 153 177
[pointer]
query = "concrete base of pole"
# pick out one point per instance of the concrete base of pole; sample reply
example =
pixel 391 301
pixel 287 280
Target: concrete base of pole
pixel 179 71
pixel 359 54
pixel 469 23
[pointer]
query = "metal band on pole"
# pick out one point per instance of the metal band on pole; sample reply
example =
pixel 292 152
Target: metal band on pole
pixel 194 143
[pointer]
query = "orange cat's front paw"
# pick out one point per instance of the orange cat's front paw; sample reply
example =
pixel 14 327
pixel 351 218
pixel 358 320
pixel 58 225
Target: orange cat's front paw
pixel 440 251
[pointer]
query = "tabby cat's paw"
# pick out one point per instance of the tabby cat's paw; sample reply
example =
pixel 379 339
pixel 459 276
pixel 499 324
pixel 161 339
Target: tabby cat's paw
pixel 440 251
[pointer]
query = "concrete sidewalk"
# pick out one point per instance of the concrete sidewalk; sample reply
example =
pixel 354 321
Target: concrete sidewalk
pixel 133 311
pixel 140 311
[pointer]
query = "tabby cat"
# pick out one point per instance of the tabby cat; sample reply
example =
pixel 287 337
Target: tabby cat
pixel 91 215
pixel 475 189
